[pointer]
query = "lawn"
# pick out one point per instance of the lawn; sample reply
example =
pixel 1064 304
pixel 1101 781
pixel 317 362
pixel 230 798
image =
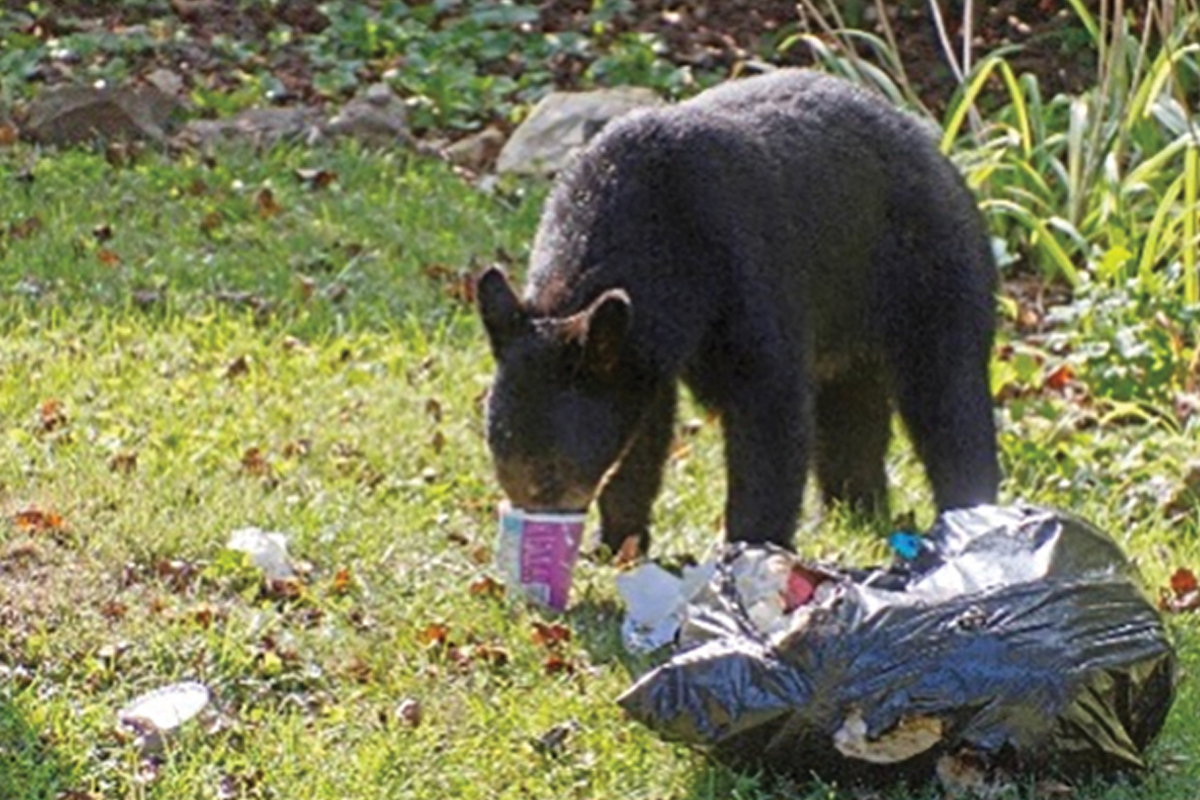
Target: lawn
pixel 284 340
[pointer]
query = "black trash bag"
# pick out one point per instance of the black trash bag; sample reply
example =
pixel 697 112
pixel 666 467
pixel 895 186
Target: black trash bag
pixel 1019 638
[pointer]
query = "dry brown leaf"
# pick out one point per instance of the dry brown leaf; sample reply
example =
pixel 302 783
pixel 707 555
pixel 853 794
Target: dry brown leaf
pixel 435 634
pixel 343 582
pixel 254 462
pixel 23 229
pixel 210 222
pixel 35 520
pixel 486 586
pixel 124 462
pixel 550 634
pixel 266 203
pixel 316 178
pixel 51 415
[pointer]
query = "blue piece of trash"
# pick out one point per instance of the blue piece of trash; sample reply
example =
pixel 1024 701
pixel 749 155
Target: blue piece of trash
pixel 906 544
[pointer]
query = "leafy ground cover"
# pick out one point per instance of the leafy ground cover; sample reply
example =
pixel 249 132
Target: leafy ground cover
pixel 284 340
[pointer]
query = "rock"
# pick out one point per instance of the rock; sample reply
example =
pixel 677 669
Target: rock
pixel 69 114
pixel 563 121
pixel 476 152
pixel 261 127
pixel 377 118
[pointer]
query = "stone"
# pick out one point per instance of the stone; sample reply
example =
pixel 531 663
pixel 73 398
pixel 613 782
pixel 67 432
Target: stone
pixel 562 122
pixel 73 114
pixel 260 127
pixel 377 118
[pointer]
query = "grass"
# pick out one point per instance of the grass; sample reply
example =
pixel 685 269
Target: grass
pixel 183 356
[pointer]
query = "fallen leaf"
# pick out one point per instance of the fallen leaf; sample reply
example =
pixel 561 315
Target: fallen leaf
pixel 492 655
pixel 1183 581
pixel 210 222
pixel 359 671
pixel 51 415
pixel 8 134
pixel 308 286
pixel 316 178
pixel 553 740
pixel 204 614
pixel 287 589
pixel 124 462
pixel 438 442
pixel 343 582
pixel 550 634
pixel 107 257
pixel 267 205
pixel 435 634
pixel 433 409
pixel 1060 377
pixel 35 520
pixel 297 448
pixel 237 368
pixel 555 664
pixel 255 463
pixel 23 229
pixel 486 586
pixel 409 712
pixel 113 610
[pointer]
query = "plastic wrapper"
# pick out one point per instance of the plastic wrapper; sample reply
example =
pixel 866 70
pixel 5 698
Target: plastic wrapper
pixel 1017 637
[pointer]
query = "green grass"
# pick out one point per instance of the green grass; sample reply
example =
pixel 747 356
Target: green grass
pixel 364 405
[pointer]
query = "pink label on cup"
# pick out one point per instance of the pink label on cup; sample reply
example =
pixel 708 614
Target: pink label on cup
pixel 537 552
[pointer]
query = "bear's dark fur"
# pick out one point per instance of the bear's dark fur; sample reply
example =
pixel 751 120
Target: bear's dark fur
pixel 798 253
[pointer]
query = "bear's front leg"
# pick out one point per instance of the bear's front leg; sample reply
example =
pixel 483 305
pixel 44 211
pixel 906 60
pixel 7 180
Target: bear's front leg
pixel 768 434
pixel 628 496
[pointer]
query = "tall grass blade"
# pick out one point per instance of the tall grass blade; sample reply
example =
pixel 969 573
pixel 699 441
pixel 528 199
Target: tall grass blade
pixel 967 101
pixel 1085 17
pixel 1191 281
pixel 1154 232
pixel 1045 242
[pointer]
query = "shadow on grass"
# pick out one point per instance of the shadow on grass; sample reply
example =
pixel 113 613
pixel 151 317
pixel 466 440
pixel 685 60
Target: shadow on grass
pixel 29 767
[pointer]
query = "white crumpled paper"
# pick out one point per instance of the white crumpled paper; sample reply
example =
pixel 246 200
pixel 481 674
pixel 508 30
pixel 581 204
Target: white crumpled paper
pixel 267 551
pixel 655 601
pixel 167 708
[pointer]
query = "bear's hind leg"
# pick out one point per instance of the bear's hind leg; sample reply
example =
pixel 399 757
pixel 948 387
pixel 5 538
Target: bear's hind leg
pixel 853 419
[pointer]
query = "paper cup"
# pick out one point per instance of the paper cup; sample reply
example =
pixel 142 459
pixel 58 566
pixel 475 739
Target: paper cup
pixel 536 553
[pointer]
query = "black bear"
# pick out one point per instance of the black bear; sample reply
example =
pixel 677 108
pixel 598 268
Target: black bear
pixel 800 255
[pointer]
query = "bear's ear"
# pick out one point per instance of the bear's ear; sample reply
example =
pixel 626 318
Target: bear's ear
pixel 503 317
pixel 608 320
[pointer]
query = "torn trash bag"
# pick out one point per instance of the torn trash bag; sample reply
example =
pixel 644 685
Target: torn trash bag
pixel 1018 635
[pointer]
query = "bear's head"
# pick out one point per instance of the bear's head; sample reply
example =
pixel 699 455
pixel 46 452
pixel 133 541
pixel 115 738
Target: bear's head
pixel 564 404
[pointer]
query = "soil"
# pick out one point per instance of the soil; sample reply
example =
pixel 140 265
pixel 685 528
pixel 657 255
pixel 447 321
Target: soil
pixel 721 35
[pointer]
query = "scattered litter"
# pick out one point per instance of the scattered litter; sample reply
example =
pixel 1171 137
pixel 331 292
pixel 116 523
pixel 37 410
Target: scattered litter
pixel 655 600
pixel 267 551
pixel 536 553
pixel 1021 636
pixel 155 714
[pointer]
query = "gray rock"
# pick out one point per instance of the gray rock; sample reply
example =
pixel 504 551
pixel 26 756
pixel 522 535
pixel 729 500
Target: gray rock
pixel 377 118
pixel 68 114
pixel 260 127
pixel 563 121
